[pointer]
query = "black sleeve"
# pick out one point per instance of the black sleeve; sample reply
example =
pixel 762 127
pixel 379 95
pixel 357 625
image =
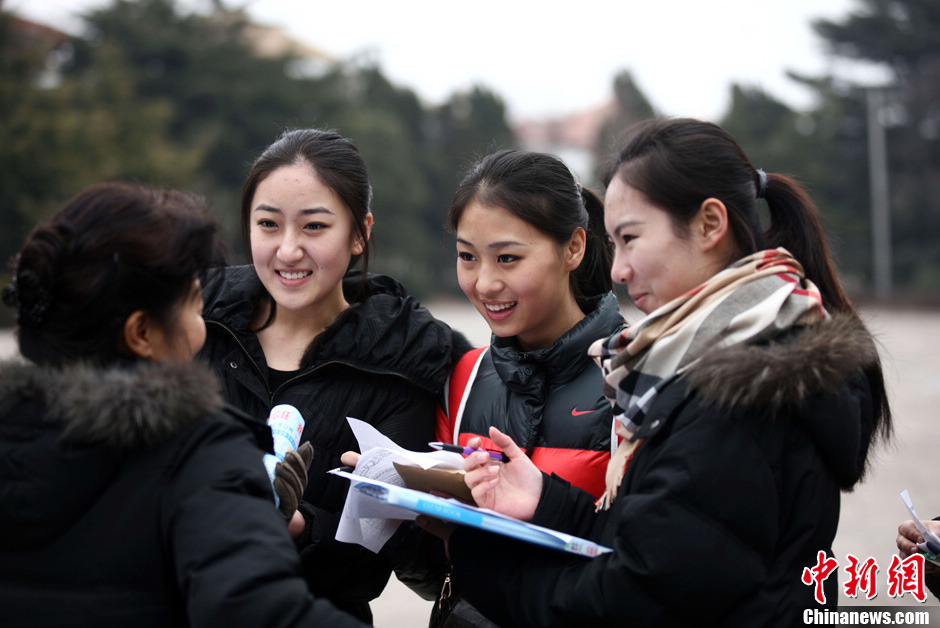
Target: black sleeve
pixel 418 560
pixel 665 534
pixel 357 574
pixel 234 562
pixel 932 580
pixel 416 556
pixel 567 508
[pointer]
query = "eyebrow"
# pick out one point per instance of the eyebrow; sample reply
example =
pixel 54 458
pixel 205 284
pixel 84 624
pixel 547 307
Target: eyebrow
pixel 304 212
pixel 625 224
pixel 495 245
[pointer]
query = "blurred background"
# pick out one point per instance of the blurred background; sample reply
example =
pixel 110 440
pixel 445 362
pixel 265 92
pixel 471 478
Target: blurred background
pixel 842 94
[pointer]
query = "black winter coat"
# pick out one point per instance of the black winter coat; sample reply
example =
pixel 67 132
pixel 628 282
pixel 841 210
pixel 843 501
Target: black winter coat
pixel 732 493
pixel 384 360
pixel 127 498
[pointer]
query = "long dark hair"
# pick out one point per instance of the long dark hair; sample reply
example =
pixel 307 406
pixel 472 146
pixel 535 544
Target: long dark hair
pixel 337 162
pixel 109 251
pixel 679 162
pixel 540 189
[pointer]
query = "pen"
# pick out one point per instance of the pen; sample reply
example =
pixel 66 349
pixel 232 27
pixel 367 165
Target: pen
pixel 466 451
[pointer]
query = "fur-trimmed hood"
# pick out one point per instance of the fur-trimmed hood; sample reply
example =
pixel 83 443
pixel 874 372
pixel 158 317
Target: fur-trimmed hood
pixel 65 432
pixel 817 372
pixel 125 408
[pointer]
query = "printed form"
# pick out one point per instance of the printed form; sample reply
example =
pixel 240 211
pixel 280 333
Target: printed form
pixel 366 521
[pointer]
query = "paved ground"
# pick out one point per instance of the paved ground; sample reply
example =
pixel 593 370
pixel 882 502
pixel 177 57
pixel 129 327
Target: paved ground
pixel 910 347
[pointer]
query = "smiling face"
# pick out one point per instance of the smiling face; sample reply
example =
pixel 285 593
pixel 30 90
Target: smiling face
pixel 302 239
pixel 516 276
pixel 650 258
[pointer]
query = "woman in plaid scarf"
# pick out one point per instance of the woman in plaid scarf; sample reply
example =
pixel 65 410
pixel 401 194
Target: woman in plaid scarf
pixel 745 400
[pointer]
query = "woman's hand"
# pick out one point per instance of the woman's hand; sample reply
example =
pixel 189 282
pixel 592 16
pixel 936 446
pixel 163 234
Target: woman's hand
pixel 296 525
pixel 909 536
pixel 349 458
pixel 512 488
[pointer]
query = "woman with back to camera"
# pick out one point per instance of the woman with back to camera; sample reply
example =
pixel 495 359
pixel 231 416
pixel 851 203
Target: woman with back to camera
pixel 128 497
pixel 748 397
pixel 533 258
pixel 296 327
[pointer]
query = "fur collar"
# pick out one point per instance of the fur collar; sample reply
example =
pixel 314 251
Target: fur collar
pixel 784 373
pixel 125 407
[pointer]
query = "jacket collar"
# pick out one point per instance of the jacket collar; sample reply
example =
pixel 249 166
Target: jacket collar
pixel 814 376
pixel 123 407
pixel 384 330
pixel 566 357
pixel 785 373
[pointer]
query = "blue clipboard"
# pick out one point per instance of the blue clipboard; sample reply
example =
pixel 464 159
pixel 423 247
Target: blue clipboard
pixel 457 512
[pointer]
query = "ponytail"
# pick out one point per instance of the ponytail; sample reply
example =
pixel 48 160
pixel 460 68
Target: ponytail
pixel 795 226
pixel 593 275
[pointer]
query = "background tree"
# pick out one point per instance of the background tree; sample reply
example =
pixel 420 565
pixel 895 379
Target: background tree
pixel 153 93
pixel 902 36
pixel 825 150
pixel 61 133
pixel 468 126
pixel 630 106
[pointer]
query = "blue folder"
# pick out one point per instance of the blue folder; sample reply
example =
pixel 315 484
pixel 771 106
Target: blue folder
pixel 457 512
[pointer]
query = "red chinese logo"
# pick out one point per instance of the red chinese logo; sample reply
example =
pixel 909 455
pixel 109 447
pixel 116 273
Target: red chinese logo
pixel 861 576
pixel 818 574
pixel 906 576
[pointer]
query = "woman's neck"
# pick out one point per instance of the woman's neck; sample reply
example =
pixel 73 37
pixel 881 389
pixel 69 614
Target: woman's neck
pixel 568 315
pixel 286 339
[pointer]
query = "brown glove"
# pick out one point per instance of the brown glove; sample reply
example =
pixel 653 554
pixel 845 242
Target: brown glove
pixel 290 478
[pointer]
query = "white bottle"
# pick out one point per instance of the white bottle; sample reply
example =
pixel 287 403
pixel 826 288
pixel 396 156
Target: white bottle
pixel 286 425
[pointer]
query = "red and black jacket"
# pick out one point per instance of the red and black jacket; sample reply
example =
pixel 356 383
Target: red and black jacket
pixel 550 401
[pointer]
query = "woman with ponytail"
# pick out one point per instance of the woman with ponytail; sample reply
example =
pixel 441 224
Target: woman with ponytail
pixel 533 258
pixel 746 400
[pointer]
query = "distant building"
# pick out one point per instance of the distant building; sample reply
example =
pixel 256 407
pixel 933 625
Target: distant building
pixel 50 43
pixel 272 41
pixel 572 137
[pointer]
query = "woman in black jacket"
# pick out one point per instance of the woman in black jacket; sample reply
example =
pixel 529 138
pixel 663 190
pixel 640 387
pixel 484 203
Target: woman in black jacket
pixel 297 328
pixel 128 495
pixel 746 400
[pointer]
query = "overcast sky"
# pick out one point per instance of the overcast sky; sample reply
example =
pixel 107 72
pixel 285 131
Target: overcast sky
pixel 547 58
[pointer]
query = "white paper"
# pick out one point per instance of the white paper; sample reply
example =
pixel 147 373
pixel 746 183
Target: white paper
pixel 927 534
pixel 365 521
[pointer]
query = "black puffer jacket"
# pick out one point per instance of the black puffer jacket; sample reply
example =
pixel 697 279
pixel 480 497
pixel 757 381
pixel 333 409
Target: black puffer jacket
pixel 384 360
pixel 732 493
pixel 127 498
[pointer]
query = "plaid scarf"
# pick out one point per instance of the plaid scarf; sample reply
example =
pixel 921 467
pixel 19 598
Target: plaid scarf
pixel 755 298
